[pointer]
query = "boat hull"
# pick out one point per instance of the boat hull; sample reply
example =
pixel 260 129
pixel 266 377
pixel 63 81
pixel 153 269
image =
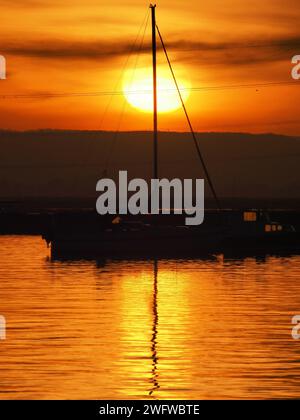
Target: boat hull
pixel 140 244
pixel 175 244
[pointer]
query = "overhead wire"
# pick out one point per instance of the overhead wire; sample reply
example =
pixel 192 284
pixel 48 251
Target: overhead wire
pixel 58 95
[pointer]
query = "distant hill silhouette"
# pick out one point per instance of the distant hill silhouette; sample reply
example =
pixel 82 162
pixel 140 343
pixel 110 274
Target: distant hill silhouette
pixel 51 163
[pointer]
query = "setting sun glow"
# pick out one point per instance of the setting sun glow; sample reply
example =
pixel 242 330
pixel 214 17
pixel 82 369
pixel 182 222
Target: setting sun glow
pixel 138 88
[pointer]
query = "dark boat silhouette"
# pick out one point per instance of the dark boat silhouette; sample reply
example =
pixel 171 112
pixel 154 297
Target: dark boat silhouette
pixel 167 236
pixel 227 231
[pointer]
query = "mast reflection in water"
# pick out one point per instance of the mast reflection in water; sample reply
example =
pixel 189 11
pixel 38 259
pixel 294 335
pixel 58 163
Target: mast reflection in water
pixel 155 328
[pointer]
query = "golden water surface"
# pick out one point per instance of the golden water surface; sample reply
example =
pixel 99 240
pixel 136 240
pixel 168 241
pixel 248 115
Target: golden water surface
pixel 214 328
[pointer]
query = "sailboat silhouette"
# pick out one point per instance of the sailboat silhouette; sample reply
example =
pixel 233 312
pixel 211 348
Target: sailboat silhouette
pixel 150 236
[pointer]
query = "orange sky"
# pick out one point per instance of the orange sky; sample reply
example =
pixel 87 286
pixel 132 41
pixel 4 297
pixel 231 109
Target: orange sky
pixel 74 46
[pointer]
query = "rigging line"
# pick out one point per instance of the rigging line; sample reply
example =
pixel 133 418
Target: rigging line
pixel 132 49
pixel 111 148
pixel 142 92
pixel 125 104
pixel 114 92
pixel 190 124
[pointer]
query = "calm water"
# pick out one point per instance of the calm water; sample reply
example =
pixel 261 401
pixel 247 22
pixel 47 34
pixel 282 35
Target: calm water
pixel 180 329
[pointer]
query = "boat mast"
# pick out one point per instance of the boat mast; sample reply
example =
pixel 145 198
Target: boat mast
pixel 155 136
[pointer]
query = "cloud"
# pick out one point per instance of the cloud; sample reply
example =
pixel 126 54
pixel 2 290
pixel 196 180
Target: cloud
pixel 53 49
pixel 238 52
pixel 229 52
pixel 28 3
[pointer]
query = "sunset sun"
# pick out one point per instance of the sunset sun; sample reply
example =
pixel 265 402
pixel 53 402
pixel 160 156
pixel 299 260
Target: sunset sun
pixel 137 90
